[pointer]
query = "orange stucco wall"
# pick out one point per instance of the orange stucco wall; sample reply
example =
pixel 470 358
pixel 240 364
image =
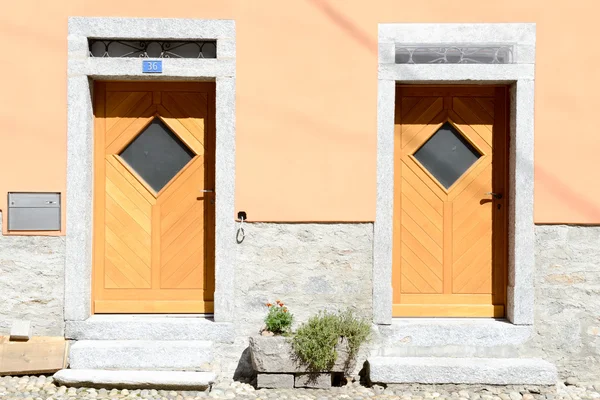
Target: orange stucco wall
pixel 307 98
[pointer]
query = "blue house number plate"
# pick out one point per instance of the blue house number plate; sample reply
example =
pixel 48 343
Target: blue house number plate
pixel 152 67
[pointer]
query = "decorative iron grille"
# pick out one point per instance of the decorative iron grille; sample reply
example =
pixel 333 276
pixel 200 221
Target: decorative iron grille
pixel 453 54
pixel 153 48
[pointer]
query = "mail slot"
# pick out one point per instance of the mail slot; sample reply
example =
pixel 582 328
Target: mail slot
pixel 33 211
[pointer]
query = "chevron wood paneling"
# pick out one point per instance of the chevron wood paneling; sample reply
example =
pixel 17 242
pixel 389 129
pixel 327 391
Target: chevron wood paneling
pixel 182 235
pixel 126 248
pixel 153 252
pixel 446 241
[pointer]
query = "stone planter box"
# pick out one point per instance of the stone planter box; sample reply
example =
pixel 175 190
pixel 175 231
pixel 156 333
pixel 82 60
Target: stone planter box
pixel 273 355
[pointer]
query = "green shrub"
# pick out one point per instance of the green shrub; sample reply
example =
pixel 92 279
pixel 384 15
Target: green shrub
pixel 315 341
pixel 279 319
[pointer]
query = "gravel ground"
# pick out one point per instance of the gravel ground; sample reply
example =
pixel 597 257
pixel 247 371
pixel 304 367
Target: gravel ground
pixel 42 388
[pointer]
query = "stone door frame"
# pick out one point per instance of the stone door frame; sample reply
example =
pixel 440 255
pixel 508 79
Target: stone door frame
pixel 519 75
pixel 82 71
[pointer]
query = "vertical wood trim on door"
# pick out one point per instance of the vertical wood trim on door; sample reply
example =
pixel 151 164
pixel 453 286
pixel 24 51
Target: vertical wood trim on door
pixel 397 207
pixel 500 221
pixel 99 178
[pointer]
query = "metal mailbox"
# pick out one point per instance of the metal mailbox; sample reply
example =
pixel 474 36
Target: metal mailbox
pixel 33 211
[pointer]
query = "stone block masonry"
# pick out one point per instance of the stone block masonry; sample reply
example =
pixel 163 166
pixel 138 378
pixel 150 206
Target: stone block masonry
pixel 310 267
pixel 567 300
pixel 32 283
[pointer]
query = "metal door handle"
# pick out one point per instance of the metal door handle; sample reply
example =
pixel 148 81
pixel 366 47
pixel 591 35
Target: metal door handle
pixel 497 196
pixel 207 191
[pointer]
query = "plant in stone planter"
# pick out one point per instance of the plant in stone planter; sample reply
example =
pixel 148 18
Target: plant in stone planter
pixel 318 341
pixel 278 320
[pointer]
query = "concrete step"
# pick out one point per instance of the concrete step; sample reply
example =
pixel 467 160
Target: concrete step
pixel 149 327
pixel 178 355
pixel 489 371
pixel 177 380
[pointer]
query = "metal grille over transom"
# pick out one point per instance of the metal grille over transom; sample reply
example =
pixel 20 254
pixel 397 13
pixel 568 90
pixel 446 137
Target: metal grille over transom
pixel 153 48
pixel 447 155
pixel 157 154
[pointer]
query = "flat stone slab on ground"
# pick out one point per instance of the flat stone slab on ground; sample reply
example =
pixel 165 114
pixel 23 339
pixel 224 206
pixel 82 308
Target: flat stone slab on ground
pixel 315 381
pixel 182 380
pixel 275 381
pixel 493 371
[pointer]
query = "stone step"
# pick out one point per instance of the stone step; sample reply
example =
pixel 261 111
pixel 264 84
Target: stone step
pixel 452 337
pixel 176 380
pixel 149 327
pixel 178 355
pixel 439 370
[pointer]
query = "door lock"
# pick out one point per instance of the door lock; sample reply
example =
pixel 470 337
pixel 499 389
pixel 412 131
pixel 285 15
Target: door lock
pixel 497 196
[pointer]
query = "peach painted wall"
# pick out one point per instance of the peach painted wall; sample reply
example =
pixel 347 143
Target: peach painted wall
pixel 307 97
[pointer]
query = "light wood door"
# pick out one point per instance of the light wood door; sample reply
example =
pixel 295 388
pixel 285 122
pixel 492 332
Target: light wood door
pixel 449 252
pixel 153 197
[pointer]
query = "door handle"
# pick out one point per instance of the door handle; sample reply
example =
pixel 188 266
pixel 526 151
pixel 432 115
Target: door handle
pixel 497 196
pixel 207 191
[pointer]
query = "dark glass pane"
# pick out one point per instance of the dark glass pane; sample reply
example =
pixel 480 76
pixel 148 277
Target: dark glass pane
pixel 157 154
pixel 447 155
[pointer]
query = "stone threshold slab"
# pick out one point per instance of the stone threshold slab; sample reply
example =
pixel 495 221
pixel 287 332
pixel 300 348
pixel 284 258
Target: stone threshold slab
pixel 176 380
pixel 413 332
pixel 440 370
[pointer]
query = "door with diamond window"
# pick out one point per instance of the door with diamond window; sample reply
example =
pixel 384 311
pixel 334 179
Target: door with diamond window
pixel 154 197
pixel 450 220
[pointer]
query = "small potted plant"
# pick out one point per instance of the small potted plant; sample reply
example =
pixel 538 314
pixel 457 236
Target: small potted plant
pixel 278 320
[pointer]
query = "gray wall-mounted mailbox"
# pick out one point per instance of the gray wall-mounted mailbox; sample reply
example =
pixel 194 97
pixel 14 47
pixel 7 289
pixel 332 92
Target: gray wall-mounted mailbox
pixel 33 211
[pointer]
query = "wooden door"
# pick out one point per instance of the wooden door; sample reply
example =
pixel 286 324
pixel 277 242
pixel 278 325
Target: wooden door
pixel 449 252
pixel 153 197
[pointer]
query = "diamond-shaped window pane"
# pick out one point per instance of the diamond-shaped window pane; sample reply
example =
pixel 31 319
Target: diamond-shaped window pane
pixel 157 154
pixel 447 155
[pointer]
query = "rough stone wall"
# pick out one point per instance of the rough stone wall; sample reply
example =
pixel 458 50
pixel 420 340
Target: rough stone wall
pixel 567 299
pixel 310 267
pixel 32 282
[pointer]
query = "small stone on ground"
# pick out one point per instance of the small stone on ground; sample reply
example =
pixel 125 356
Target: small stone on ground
pixel 42 388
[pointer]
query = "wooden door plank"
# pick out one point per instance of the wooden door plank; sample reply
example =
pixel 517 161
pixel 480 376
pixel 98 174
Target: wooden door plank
pixel 39 355
pixel 118 125
pixel 448 310
pixel 442 298
pixel 409 242
pixel 185 130
pixel 421 236
pixel 447 247
pixel 487 105
pixel 479 135
pixel 188 275
pixel 128 222
pixel 153 306
pixel 429 276
pixel 132 177
pixel 481 229
pixel 433 229
pixel 127 129
pixel 407 90
pixel 413 169
pixel 423 197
